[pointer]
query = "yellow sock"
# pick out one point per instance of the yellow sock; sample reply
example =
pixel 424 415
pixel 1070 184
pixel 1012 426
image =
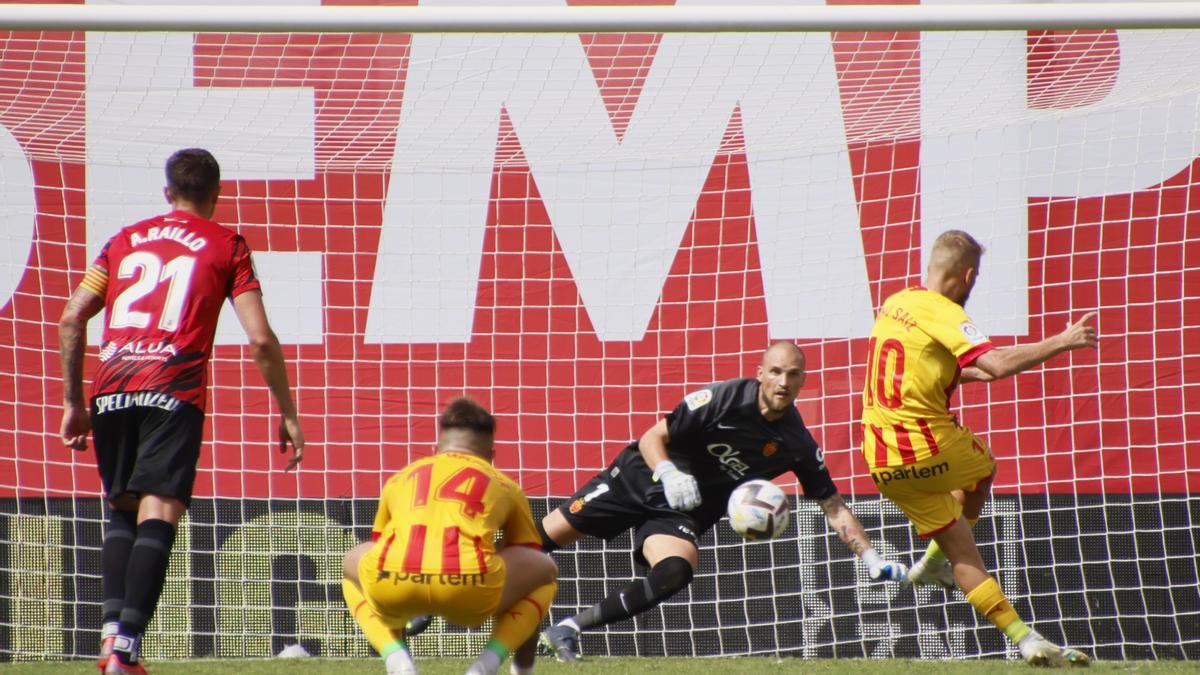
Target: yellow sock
pixel 990 601
pixel 934 552
pixel 379 634
pixel 514 626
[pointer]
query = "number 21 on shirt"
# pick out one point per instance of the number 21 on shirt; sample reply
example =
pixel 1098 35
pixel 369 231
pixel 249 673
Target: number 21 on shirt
pixel 148 272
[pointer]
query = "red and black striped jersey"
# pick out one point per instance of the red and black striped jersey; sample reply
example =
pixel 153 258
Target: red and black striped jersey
pixel 163 281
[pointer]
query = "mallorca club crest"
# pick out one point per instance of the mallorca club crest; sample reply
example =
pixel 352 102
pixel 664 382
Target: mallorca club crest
pixel 576 506
pixel 770 448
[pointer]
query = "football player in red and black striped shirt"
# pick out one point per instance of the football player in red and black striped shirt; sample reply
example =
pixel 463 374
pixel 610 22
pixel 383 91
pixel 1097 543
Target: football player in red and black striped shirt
pixel 162 282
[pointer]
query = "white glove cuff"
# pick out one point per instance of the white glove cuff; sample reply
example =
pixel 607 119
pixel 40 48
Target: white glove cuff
pixel 664 467
pixel 870 558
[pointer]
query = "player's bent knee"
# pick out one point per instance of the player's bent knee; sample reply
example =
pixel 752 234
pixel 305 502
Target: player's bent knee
pixel 556 531
pixel 531 564
pixel 548 544
pixel 551 569
pixel 352 558
pixel 659 547
pixel 670 576
pixel 546 569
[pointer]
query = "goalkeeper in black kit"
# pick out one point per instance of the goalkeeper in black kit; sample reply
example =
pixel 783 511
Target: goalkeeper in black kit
pixel 672 485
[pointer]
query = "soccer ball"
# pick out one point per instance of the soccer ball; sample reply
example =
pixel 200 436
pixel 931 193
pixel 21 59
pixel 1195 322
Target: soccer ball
pixel 758 509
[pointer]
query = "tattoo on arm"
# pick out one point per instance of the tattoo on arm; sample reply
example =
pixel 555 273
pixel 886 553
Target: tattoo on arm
pixel 843 521
pixel 72 331
pixel 832 506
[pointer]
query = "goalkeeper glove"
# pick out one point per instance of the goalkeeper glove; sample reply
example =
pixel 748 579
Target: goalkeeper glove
pixel 683 493
pixel 883 570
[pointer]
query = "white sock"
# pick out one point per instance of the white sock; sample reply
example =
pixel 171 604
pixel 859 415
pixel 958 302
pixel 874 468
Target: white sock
pixel 399 659
pixel 110 629
pixel 489 660
pixel 570 622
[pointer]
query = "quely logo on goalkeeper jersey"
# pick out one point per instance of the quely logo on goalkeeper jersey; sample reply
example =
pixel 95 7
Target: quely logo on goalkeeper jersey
pixel 731 461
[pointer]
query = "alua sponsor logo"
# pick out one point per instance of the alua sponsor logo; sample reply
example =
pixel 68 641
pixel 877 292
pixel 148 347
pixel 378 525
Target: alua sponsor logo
pixel 138 348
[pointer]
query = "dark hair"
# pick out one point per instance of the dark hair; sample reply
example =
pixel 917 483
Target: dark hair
pixel 193 174
pixel 463 413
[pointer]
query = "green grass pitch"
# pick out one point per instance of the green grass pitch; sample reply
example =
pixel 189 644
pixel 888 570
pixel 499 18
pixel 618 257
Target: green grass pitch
pixel 597 666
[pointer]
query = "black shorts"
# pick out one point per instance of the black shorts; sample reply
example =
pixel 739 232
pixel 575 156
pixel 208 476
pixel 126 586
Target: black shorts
pixel 146 443
pixel 625 496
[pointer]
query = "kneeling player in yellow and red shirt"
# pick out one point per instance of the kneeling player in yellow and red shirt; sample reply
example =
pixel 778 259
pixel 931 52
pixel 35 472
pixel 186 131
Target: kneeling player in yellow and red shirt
pixel 434 552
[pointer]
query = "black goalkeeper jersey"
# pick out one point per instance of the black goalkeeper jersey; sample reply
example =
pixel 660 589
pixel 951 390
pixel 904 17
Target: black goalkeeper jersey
pixel 718 435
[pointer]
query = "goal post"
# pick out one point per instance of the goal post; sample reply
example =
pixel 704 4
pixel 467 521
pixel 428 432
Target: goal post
pixel 532 17
pixel 577 214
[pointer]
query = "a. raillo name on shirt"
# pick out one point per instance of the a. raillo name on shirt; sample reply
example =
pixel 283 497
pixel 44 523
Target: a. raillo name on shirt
pixel 173 233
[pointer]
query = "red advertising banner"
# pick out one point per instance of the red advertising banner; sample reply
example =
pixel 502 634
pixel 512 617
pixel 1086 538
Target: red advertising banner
pixel 545 350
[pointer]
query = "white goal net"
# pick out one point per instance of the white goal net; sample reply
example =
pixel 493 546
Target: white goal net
pixel 579 227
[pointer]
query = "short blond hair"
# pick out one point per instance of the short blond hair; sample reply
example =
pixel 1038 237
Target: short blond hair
pixel 955 249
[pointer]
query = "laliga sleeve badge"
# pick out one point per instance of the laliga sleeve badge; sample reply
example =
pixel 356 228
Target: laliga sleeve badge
pixel 972 333
pixel 698 399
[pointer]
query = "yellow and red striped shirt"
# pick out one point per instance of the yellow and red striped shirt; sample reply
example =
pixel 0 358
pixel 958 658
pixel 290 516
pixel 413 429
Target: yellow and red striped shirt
pixel 920 342
pixel 440 515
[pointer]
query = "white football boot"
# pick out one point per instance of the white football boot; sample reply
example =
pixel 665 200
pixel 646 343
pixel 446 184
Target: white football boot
pixel 1038 651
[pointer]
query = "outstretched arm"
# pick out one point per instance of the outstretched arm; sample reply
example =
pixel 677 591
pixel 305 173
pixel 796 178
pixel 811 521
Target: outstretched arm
pixel 268 357
pixel 72 334
pixel 843 521
pixel 973 374
pixel 1006 361
pixel 851 532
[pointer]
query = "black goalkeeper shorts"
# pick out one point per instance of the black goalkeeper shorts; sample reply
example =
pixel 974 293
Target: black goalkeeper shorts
pixel 625 496
pixel 142 447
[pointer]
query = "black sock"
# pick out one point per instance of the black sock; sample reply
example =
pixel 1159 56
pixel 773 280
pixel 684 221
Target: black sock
pixel 665 579
pixel 114 561
pixel 144 583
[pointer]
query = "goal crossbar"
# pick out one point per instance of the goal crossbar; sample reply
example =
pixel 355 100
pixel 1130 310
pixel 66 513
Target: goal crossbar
pixel 540 19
